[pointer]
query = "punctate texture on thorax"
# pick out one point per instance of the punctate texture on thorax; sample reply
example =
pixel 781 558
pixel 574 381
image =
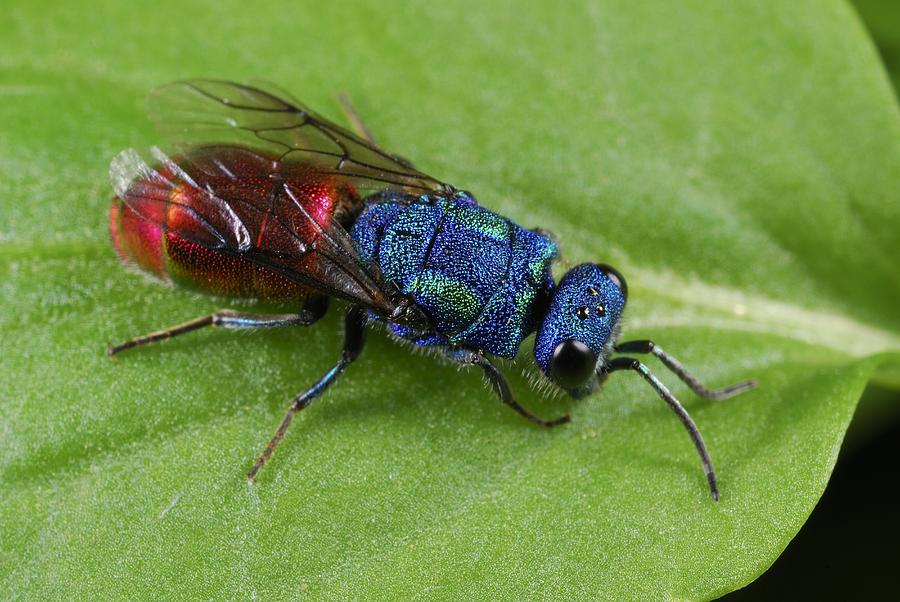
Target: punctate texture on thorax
pixel 478 276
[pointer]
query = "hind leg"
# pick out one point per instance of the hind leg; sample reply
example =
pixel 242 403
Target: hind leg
pixel 311 312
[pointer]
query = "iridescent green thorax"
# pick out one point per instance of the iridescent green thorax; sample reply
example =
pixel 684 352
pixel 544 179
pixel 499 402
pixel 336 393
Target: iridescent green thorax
pixel 480 278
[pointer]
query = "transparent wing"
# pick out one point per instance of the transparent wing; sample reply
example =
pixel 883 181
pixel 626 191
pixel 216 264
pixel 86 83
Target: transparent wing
pixel 224 199
pixel 219 112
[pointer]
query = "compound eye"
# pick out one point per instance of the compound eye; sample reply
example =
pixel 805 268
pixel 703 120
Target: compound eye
pixel 614 275
pixel 572 364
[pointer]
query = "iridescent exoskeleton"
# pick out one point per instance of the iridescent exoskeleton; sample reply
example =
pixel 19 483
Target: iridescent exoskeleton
pixel 261 197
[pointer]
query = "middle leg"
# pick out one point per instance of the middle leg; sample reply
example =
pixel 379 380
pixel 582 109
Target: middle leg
pixel 354 340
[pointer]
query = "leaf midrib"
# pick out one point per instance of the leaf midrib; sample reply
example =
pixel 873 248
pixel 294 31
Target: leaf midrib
pixel 743 311
pixel 711 306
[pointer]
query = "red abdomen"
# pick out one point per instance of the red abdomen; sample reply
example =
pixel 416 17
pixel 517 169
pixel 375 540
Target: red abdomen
pixel 243 181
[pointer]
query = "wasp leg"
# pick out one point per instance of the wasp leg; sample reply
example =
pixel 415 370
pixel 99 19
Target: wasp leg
pixel 354 339
pixel 681 372
pixel 311 312
pixel 629 363
pixel 499 384
pixel 359 127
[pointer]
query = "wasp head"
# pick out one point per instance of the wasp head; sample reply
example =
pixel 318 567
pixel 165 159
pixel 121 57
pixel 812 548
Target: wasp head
pixel 580 326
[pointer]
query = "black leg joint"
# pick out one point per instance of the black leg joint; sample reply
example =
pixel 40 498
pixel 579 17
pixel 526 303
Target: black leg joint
pixel 635 347
pixel 354 333
pixel 315 308
pixel 622 363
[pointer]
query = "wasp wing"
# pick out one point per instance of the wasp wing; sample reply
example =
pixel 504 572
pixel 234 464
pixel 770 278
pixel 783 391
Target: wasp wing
pixel 235 201
pixel 204 111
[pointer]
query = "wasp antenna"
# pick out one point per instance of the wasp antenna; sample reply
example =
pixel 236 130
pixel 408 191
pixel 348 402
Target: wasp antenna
pixel 682 373
pixel 359 126
pixel 629 363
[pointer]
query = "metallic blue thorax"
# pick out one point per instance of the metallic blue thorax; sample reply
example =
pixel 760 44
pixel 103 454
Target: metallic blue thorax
pixel 479 277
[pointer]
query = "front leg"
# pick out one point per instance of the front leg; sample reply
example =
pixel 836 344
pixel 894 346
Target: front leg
pixel 498 383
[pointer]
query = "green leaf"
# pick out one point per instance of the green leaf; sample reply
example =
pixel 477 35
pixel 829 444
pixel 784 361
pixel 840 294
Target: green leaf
pixel 882 18
pixel 739 162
